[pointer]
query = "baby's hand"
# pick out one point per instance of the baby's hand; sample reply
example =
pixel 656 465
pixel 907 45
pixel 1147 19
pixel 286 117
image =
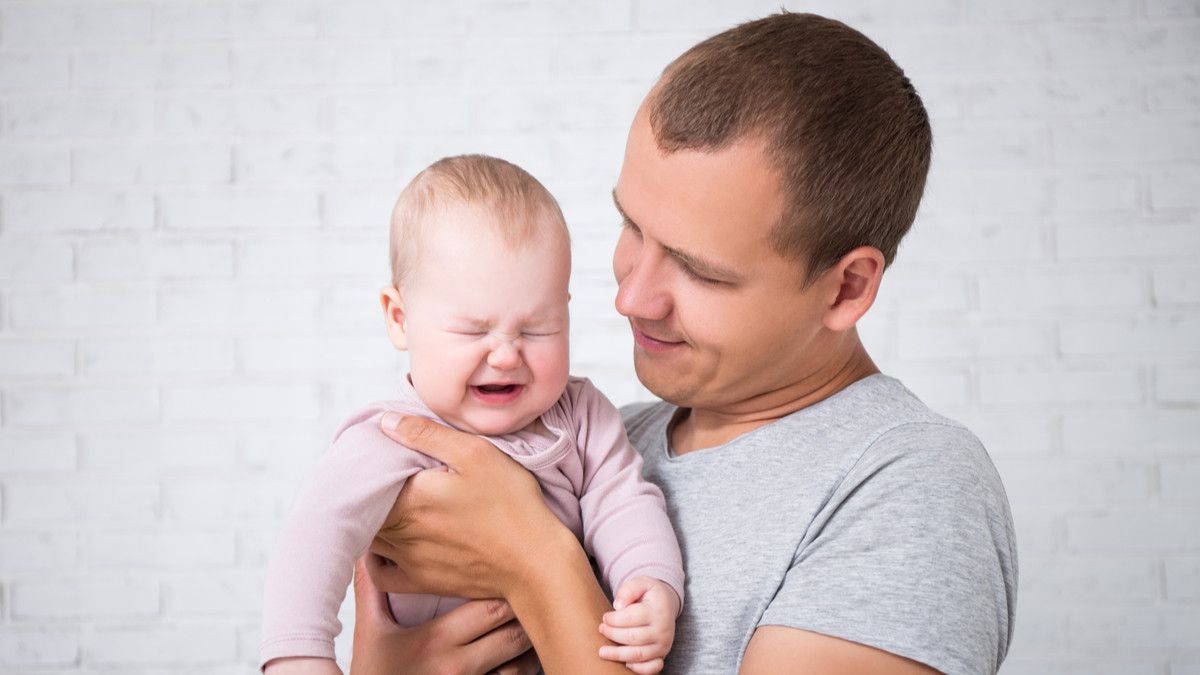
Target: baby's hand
pixel 643 623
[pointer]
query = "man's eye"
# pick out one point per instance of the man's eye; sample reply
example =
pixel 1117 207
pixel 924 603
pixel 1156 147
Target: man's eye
pixel 702 279
pixel 627 224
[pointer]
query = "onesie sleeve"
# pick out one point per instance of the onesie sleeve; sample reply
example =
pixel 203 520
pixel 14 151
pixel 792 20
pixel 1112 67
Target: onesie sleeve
pixel 913 553
pixel 625 523
pixel 331 524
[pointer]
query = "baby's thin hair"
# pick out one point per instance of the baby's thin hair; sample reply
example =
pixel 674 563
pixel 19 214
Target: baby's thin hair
pixel 523 207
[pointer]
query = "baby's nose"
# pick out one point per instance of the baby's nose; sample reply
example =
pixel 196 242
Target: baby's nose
pixel 504 356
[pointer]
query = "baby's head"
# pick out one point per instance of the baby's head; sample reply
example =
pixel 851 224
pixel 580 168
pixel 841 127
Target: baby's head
pixel 480 265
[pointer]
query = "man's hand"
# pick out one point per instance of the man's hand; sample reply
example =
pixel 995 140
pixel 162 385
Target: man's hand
pixel 642 623
pixel 476 638
pixel 473 529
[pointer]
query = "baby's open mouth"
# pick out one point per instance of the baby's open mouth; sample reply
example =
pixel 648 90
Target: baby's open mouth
pixel 498 388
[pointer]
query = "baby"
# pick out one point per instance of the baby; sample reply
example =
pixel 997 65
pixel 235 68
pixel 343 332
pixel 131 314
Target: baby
pixel 480 264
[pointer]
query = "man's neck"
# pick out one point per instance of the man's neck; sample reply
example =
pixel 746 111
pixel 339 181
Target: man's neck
pixel 699 428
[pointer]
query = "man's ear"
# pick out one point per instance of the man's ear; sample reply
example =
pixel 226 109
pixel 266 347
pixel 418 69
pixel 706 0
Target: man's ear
pixel 393 316
pixel 852 286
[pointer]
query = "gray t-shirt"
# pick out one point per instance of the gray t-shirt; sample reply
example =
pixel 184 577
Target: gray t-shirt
pixel 865 516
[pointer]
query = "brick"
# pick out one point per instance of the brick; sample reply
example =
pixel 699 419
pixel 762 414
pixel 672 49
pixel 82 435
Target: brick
pixel 33 70
pixel 38 550
pixel 367 209
pixel 81 503
pixel 940 388
pixel 175 549
pixel 1135 628
pixel 275 20
pixel 625 58
pixel 1046 96
pixel 1088 578
pixel 36 358
pixel 202 67
pixel 82 308
pixel 289 257
pixel 1183 578
pixel 55 405
pixel 80 115
pixel 320 354
pixel 388 114
pixel 259 113
pixel 1175 190
pixel 107 259
pixel 243 402
pixel 288 453
pixel 1176 285
pixel 1160 8
pixel 151 453
pixel 1095 665
pixel 912 292
pixel 924 49
pixel 1132 433
pixel 1076 483
pixel 1140 141
pixel 224 501
pixel 35 165
pixel 350 309
pixel 1163 241
pixel 37 452
pixel 158 356
pixel 957 339
pixel 73 598
pixel 357 19
pixel 1043 629
pixel 296 65
pixel 193 20
pixel 216 593
pixel 35 260
pixel 46 212
pixel 158 163
pixel 56 23
pixel 1007 434
pixel 886 12
pixel 1179 479
pixel 269 162
pixel 223 309
pixel 39 647
pixel 1009 386
pixel 1126 532
pixel 1095 193
pixel 1055 290
pixel 1175 384
pixel 237 209
pixel 1093 45
pixel 1029 10
pixel 1161 335
pixel 515 59
pixel 932 243
pixel 199 644
pixel 1176 91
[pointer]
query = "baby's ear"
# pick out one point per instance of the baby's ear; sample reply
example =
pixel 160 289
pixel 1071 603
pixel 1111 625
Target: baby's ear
pixel 393 316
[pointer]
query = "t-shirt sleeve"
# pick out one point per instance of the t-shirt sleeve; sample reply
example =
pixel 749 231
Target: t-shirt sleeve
pixel 913 553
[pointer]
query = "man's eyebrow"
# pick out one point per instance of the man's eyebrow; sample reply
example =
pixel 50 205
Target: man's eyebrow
pixel 696 263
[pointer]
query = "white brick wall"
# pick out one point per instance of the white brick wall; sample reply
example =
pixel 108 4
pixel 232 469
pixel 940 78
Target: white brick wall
pixel 193 197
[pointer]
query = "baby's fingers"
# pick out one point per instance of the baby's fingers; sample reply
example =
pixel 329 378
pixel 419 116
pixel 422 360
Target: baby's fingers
pixel 633 615
pixel 638 636
pixel 630 655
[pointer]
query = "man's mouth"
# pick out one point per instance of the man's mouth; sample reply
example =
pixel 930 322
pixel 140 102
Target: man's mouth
pixel 651 343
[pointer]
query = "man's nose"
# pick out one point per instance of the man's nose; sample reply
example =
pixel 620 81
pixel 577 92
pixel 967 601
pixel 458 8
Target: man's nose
pixel 642 292
pixel 504 355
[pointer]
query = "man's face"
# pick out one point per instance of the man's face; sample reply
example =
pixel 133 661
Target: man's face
pixel 719 319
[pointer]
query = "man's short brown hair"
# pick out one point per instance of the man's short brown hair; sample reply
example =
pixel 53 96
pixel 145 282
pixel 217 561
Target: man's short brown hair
pixel 843 126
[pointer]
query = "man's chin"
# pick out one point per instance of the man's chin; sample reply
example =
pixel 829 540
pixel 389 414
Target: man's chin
pixel 663 382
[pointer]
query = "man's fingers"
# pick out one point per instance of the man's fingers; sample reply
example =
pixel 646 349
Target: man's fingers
pixel 440 442
pixel 496 648
pixel 370 603
pixel 474 619
pixel 525 664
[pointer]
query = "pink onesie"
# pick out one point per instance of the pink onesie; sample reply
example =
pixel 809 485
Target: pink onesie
pixel 590 477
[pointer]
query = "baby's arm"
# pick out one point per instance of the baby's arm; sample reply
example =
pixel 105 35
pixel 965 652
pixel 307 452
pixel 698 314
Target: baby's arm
pixel 332 522
pixel 625 522
pixel 643 622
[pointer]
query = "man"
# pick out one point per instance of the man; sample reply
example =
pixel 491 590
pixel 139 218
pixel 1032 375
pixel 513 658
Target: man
pixel 830 523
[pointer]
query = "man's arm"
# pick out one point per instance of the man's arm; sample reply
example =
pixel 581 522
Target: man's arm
pixel 783 650
pixel 481 529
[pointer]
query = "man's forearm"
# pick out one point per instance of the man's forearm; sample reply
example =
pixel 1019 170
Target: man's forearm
pixel 560 606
